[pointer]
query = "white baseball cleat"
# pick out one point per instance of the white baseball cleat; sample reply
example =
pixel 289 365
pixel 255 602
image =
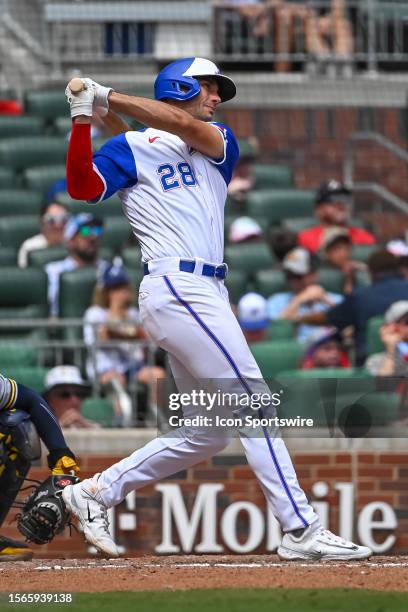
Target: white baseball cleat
pixel 82 500
pixel 319 544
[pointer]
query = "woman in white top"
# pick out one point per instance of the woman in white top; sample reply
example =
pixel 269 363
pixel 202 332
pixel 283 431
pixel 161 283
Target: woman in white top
pixel 53 218
pixel 113 318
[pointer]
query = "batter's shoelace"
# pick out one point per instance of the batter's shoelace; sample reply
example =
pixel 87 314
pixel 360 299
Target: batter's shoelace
pixel 330 537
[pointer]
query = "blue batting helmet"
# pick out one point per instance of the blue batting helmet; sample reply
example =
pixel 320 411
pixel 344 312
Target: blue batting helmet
pixel 178 80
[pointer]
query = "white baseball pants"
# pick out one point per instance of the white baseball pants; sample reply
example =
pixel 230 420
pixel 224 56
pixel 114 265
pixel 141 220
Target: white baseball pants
pixel 189 316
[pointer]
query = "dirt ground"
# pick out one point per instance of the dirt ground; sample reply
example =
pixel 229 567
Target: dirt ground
pixel 199 572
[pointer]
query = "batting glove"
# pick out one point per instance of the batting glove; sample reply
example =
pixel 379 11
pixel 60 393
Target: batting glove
pixel 81 103
pixel 101 102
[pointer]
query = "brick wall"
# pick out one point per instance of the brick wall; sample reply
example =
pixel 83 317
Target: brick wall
pixel 377 477
pixel 312 142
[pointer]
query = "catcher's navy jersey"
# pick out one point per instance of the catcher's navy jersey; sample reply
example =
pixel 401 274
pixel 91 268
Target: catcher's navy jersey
pixel 172 195
pixel 8 392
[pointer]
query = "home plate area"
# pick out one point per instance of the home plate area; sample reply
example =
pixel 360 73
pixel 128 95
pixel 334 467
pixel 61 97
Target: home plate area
pixel 201 572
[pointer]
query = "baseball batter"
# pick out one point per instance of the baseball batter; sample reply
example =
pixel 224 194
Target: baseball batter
pixel 172 179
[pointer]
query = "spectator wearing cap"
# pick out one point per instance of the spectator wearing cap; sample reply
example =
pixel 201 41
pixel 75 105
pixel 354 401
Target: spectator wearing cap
pixel 65 390
pixel 53 219
pixel 305 295
pixel 82 236
pixel 253 317
pixel 332 208
pixel 394 335
pixel 324 350
pixel 244 229
pixel 112 317
pixel 387 286
pixel 336 250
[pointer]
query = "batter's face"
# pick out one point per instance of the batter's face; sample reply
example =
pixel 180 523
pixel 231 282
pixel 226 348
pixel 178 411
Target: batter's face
pixel 204 105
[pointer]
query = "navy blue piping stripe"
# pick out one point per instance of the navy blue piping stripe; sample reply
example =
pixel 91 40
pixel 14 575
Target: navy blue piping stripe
pixel 246 387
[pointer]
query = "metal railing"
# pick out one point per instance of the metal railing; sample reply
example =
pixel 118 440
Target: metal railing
pixel 60 342
pixel 375 188
pixel 379 32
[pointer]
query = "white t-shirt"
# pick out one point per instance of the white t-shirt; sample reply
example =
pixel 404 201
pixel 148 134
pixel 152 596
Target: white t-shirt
pixel 31 244
pixel 126 357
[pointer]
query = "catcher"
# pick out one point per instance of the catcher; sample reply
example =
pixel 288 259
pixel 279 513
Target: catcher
pixel 25 418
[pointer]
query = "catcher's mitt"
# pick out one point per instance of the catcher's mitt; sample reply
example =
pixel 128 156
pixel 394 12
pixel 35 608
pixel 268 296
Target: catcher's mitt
pixel 44 514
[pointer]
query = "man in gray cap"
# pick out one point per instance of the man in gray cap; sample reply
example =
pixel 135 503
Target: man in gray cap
pixel 82 236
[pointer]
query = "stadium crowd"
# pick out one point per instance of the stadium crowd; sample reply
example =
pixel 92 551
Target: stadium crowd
pixel 320 283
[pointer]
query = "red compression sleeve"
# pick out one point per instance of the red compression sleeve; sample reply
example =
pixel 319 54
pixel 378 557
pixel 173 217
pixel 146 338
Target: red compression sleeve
pixel 83 183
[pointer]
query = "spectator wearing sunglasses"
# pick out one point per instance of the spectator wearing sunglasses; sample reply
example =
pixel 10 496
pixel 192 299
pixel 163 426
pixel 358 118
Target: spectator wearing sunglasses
pixel 53 219
pixel 82 236
pixel 305 295
pixel 65 390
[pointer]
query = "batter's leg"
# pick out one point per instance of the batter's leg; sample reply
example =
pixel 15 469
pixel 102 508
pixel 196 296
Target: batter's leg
pixel 196 324
pixel 162 456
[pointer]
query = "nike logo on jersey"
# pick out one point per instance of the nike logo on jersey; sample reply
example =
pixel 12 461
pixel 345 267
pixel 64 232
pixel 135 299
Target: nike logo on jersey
pixel 153 138
pixel 90 520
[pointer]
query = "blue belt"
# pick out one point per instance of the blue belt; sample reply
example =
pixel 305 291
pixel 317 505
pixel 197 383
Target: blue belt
pixel 187 265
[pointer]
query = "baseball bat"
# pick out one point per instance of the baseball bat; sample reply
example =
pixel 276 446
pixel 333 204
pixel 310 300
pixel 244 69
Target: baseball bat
pixel 76 85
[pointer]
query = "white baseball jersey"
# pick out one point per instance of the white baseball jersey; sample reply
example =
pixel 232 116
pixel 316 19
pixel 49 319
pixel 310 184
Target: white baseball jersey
pixel 172 195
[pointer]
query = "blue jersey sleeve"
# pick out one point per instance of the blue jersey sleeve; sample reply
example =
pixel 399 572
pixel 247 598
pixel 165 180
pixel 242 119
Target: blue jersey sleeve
pixel 227 163
pixel 116 166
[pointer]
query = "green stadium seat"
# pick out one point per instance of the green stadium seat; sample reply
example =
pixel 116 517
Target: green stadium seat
pixel 23 152
pixel 47 105
pixel 374 343
pixel 20 125
pixel 20 202
pixel 306 396
pixel 14 230
pixel 279 204
pixel 7 178
pixel 273 356
pixel 237 284
pixel 41 178
pixel 98 409
pixel 281 330
pixel 316 373
pixel 132 258
pixel 383 407
pixel 271 176
pixel 41 257
pixel 117 232
pixel 268 282
pixel 330 279
pixel 361 252
pixel 247 148
pixel 8 256
pixel 298 224
pixel 76 289
pixel 30 376
pixel 249 257
pixel 13 353
pixel 22 287
pixel 23 297
pixel 62 125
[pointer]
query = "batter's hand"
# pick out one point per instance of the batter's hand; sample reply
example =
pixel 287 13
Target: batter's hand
pixel 81 103
pixel 101 102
